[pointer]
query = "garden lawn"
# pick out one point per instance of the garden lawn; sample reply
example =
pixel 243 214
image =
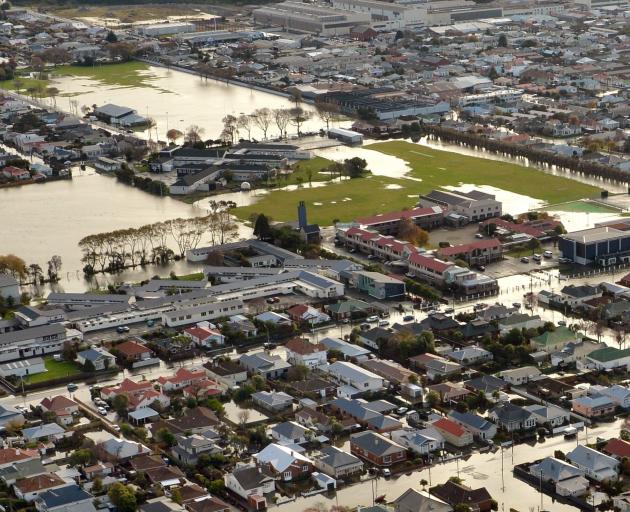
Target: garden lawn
pixel 56 370
pixel 26 83
pixel 124 74
pixel 371 195
pixel 443 168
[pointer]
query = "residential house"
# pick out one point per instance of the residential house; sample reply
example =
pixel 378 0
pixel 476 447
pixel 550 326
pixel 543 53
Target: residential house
pixel 313 387
pixel 352 375
pixel 306 314
pixel 438 368
pixel 350 351
pixel 337 463
pixel 204 336
pixel 374 338
pixel 512 417
pixel 193 421
pixel 621 502
pixel 283 463
pixel 44 432
pixel 617 448
pixel 9 287
pixel 420 501
pixel 487 384
pixel 481 428
pixel 519 321
pixel 422 442
pixel 189 448
pixel 303 352
pixel 519 376
pixel 479 252
pixel 183 378
pixel 576 295
pixel 468 356
pixel 608 358
pixel 98 357
pixel 595 464
pixel 549 415
pixel 28 489
pixel 366 414
pixel 127 387
pixel 271 317
pixel 568 480
pixel 208 504
pixel 132 351
pixel 455 494
pixel 575 352
pixel 246 480
pixel 120 450
pixel 391 371
pixel 453 433
pixel 449 392
pixel 266 365
pixel 273 401
pixel 202 389
pixel 620 395
pixel 553 341
pixel 242 324
pixel 10 415
pixel 63 408
pixel 376 448
pixel 290 433
pixel 10 456
pixel 593 407
pixel 70 498
pixel 227 372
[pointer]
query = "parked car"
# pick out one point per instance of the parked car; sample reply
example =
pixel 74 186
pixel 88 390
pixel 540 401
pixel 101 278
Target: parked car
pixel 548 254
pixel 524 259
pixel 122 328
pixel 102 411
pixel 537 257
pixel 408 318
pixel 372 318
pixel 386 472
pixel 72 387
pixel 402 410
pixel 383 323
pixel 478 235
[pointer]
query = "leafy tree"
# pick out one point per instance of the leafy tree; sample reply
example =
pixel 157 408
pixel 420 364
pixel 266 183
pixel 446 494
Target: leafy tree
pixel 355 167
pixel 82 457
pixel 433 398
pixel 165 437
pixel 411 232
pixel 262 230
pixel 503 42
pixel 123 497
pixel 120 404
pixel 111 37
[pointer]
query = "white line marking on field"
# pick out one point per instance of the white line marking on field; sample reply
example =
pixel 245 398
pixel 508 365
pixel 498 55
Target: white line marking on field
pixel 421 154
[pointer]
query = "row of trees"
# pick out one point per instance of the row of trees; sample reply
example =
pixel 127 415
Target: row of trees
pixel 572 163
pixel 15 266
pixel 130 247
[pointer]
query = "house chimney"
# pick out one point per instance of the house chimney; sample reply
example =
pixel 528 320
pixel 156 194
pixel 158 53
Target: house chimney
pixel 302 222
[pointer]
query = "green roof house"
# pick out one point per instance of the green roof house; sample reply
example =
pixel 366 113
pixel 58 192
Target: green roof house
pixel 552 341
pixel 609 357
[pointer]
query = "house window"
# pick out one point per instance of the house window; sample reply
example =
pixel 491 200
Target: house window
pixel 287 475
pixel 387 459
pixel 305 469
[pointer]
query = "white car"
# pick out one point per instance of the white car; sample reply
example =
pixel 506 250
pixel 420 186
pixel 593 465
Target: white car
pixel 383 323
pixel 372 318
pixel 102 411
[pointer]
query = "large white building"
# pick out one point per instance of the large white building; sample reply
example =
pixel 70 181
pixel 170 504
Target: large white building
pixel 387 15
pixel 310 19
pixel 190 314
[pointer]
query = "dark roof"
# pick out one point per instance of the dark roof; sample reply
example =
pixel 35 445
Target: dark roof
pixel 486 383
pixel 508 412
pixel 64 495
pixel 249 477
pixel 454 494
pixel 375 443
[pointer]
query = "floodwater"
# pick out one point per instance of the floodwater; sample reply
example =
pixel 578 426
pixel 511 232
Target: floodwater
pixel 490 470
pixel 175 99
pixel 51 218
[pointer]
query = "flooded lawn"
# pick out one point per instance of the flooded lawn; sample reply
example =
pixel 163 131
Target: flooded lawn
pixel 379 163
pixel 235 412
pixel 513 203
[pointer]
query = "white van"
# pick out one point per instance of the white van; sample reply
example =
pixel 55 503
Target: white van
pixel 537 257
pixel 548 254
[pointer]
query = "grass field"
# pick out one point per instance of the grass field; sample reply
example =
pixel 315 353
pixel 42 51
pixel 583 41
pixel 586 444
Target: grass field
pixel 439 168
pixel 302 169
pixel 26 83
pixel 367 196
pixel 55 370
pixel 124 74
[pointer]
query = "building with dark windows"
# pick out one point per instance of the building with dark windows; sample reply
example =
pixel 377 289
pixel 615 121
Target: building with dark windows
pixel 603 245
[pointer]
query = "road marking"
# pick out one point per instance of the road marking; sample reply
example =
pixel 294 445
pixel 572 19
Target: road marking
pixel 422 154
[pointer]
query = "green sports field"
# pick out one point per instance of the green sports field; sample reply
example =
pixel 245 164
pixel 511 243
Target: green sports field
pixel 430 169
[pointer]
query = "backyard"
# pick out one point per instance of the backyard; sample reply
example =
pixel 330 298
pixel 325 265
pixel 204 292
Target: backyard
pixel 431 169
pixel 54 370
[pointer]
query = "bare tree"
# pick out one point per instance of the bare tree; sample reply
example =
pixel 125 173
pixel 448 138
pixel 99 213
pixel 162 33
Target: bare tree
pixel 193 134
pixel 327 112
pixel 244 122
pixel 298 117
pixel 282 117
pixel 262 118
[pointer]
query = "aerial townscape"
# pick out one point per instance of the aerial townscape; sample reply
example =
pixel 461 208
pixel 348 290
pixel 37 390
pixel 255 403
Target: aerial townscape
pixel 314 255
